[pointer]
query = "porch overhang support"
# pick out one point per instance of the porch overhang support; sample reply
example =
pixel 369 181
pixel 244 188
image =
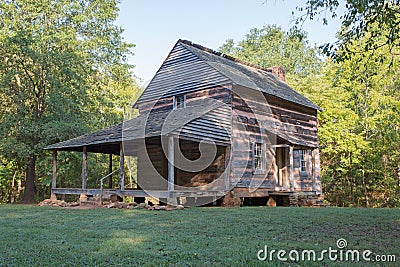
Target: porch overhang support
pixel 121 168
pixel 227 168
pixel 171 170
pixel 291 181
pixel 84 167
pixel 54 177
pixel 110 170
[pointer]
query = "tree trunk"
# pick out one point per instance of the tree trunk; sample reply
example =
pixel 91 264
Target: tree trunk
pixel 29 193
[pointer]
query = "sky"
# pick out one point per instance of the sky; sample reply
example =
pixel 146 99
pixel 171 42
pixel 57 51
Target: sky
pixel 154 26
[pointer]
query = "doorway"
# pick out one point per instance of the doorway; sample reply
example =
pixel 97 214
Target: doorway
pixel 281 159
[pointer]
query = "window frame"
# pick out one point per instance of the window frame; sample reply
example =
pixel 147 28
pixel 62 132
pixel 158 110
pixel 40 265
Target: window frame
pixel 175 101
pixel 261 156
pixel 304 162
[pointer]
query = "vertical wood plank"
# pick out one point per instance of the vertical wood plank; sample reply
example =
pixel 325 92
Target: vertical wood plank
pixel 171 168
pixel 291 182
pixel 121 168
pixel 84 167
pixel 227 167
pixel 110 184
pixel 314 173
pixel 54 179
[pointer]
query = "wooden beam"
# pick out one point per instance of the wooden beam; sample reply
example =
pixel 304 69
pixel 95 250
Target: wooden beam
pixel 227 167
pixel 54 180
pixel 110 170
pixel 84 167
pixel 291 168
pixel 314 173
pixel 274 146
pixel 171 167
pixel 121 168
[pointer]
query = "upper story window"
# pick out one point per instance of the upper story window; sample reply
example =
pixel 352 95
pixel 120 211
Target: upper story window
pixel 179 101
pixel 258 158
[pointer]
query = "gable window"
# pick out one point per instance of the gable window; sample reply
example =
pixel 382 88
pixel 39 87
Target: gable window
pixel 258 158
pixel 179 101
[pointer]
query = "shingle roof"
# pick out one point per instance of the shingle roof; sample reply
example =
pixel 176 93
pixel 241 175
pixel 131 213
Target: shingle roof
pixel 148 124
pixel 248 75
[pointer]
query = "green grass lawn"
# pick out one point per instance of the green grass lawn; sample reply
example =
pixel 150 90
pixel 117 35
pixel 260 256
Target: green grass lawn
pixel 45 236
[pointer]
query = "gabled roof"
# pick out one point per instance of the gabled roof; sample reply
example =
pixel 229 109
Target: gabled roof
pixel 248 75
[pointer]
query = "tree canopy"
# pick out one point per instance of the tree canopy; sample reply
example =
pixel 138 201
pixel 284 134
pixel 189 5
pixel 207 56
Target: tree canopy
pixel 62 70
pixel 270 45
pixel 359 21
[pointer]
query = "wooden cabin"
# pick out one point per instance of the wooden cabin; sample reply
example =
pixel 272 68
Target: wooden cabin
pixel 211 125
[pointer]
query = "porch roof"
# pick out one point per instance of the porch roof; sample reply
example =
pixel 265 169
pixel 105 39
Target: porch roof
pixel 150 124
pixel 299 140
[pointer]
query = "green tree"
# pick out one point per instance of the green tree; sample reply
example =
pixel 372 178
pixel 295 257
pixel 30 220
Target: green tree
pixel 359 128
pixel 359 21
pixel 374 96
pixel 270 46
pixel 60 63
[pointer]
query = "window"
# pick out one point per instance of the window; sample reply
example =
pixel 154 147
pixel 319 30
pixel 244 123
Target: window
pixel 258 158
pixel 179 101
pixel 303 160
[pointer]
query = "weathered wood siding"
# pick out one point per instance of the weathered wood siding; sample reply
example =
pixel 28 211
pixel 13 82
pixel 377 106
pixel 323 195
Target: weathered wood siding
pixel 190 151
pixel 181 73
pixel 279 116
pixel 303 181
pixel 152 166
pixel 213 126
pixel 153 172
pixel 247 129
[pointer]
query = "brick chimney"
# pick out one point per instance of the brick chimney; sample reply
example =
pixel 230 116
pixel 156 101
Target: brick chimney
pixel 279 72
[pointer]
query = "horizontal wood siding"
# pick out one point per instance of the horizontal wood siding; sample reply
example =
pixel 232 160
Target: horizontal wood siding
pixel 182 72
pixel 279 116
pixel 206 176
pixel 214 126
pixel 152 166
pixel 165 103
pixel 303 181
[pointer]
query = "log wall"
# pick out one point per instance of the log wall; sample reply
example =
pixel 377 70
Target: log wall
pixel 190 151
pixel 271 113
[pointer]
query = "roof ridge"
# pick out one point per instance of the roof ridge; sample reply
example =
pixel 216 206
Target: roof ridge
pixel 231 58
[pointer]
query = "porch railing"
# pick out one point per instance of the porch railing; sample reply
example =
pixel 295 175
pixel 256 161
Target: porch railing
pixel 102 184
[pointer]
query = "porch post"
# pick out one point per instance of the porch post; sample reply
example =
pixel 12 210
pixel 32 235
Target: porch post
pixel 314 173
pixel 121 168
pixel 227 167
pixel 54 180
pixel 84 167
pixel 110 171
pixel 171 168
pixel 291 182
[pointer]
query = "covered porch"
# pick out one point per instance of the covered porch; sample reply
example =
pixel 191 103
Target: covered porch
pixel 139 137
